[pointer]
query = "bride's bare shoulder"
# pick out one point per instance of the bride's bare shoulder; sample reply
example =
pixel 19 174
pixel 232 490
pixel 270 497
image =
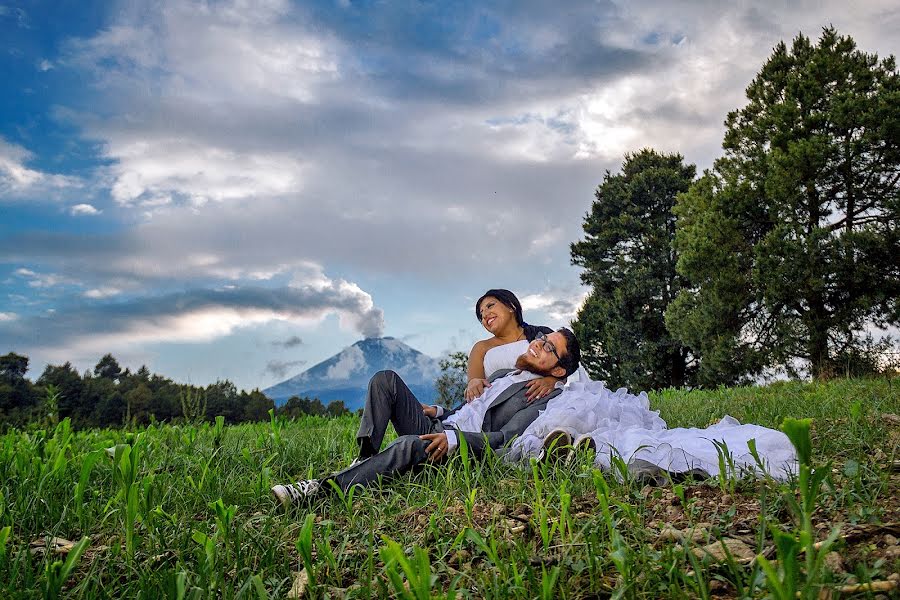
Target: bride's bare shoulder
pixel 483 346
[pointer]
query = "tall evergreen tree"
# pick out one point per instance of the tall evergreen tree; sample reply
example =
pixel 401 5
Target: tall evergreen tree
pixel 222 398
pixel 16 393
pixel 101 396
pixel 629 261
pixel 13 367
pixel 256 406
pixel 108 368
pixel 70 387
pixel 137 401
pixel 792 240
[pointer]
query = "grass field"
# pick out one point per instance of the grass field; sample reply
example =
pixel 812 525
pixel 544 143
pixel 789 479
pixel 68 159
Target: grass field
pixel 185 512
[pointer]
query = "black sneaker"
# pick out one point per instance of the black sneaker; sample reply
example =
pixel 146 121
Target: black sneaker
pixel 293 493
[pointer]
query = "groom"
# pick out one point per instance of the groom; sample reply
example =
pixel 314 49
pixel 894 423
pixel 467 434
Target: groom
pixel 492 420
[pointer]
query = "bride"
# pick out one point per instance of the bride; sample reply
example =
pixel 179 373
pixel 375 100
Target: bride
pixel 618 424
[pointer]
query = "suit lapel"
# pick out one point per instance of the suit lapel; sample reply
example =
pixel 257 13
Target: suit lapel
pixel 499 373
pixel 506 394
pixel 509 392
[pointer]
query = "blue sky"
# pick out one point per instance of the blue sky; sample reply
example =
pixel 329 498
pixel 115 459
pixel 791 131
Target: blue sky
pixel 238 190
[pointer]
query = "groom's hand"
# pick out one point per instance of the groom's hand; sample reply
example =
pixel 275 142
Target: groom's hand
pixel 438 447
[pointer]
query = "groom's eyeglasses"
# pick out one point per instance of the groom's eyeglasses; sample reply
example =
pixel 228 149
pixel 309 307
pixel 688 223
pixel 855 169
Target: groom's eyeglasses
pixel 547 344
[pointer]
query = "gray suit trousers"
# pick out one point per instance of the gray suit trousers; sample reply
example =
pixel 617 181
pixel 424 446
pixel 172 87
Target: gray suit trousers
pixel 388 400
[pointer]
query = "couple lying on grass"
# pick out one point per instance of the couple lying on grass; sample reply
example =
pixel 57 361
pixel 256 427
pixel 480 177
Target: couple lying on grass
pixel 537 400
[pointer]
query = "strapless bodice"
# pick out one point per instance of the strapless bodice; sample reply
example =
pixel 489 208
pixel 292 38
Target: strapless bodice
pixel 503 357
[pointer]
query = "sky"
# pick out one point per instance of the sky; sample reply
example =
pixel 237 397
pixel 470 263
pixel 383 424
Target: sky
pixel 240 189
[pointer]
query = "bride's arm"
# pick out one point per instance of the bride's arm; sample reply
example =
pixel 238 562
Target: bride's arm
pixel 475 371
pixel 475 368
pixel 540 387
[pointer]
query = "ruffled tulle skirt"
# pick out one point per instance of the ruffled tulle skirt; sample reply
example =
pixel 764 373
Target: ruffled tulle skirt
pixel 622 425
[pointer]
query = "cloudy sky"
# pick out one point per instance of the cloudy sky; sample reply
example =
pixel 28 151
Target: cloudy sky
pixel 239 189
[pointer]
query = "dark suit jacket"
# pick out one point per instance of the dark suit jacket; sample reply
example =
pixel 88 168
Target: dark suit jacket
pixel 508 416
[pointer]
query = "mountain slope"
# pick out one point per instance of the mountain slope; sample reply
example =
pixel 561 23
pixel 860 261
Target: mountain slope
pixel 345 376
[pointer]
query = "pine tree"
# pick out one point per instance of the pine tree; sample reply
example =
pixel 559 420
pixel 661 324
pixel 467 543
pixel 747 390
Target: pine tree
pixel 629 261
pixel 791 241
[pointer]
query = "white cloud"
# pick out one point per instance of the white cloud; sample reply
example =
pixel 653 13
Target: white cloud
pixel 705 54
pixel 41 280
pixel 212 67
pixel 529 136
pixel 672 107
pixel 280 368
pixel 8 316
pixel 150 172
pixel 13 172
pixel 294 128
pixel 543 241
pixel 560 305
pixel 45 65
pixel 84 209
pixel 199 315
pixel 192 326
pixel 100 293
pixel 16 178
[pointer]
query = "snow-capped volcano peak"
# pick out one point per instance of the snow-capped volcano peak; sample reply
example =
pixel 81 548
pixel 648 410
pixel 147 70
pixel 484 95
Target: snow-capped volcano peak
pixel 345 376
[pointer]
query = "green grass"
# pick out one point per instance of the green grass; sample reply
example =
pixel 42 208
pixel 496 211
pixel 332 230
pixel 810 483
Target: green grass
pixel 185 512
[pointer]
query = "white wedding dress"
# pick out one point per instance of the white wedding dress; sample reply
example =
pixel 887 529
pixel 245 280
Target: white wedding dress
pixel 622 424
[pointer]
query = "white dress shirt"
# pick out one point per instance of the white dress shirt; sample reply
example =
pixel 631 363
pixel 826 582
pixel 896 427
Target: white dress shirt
pixel 471 416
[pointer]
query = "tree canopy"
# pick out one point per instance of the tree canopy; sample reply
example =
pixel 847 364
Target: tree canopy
pixel 13 367
pixel 108 367
pixel 629 261
pixel 790 242
pixel 451 383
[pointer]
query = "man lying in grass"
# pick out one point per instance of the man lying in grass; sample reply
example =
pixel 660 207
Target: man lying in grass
pixel 427 433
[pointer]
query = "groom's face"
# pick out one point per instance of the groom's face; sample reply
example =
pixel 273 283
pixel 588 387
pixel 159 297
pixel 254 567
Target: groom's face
pixel 543 362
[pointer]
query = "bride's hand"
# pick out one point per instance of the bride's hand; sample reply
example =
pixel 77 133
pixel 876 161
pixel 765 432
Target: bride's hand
pixel 538 388
pixel 476 388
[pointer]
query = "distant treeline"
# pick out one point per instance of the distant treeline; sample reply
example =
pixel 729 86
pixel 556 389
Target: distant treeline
pixel 109 396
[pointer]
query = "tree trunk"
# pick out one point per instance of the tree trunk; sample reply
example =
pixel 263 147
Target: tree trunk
pixel 816 318
pixel 679 367
pixel 817 344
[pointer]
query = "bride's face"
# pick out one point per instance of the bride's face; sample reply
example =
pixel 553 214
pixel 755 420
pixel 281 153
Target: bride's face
pixel 495 316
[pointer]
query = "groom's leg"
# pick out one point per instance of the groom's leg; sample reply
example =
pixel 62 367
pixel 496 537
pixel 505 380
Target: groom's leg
pixel 403 454
pixel 389 400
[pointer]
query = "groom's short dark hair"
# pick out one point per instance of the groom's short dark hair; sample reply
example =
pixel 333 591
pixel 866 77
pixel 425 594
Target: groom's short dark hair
pixel 569 361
